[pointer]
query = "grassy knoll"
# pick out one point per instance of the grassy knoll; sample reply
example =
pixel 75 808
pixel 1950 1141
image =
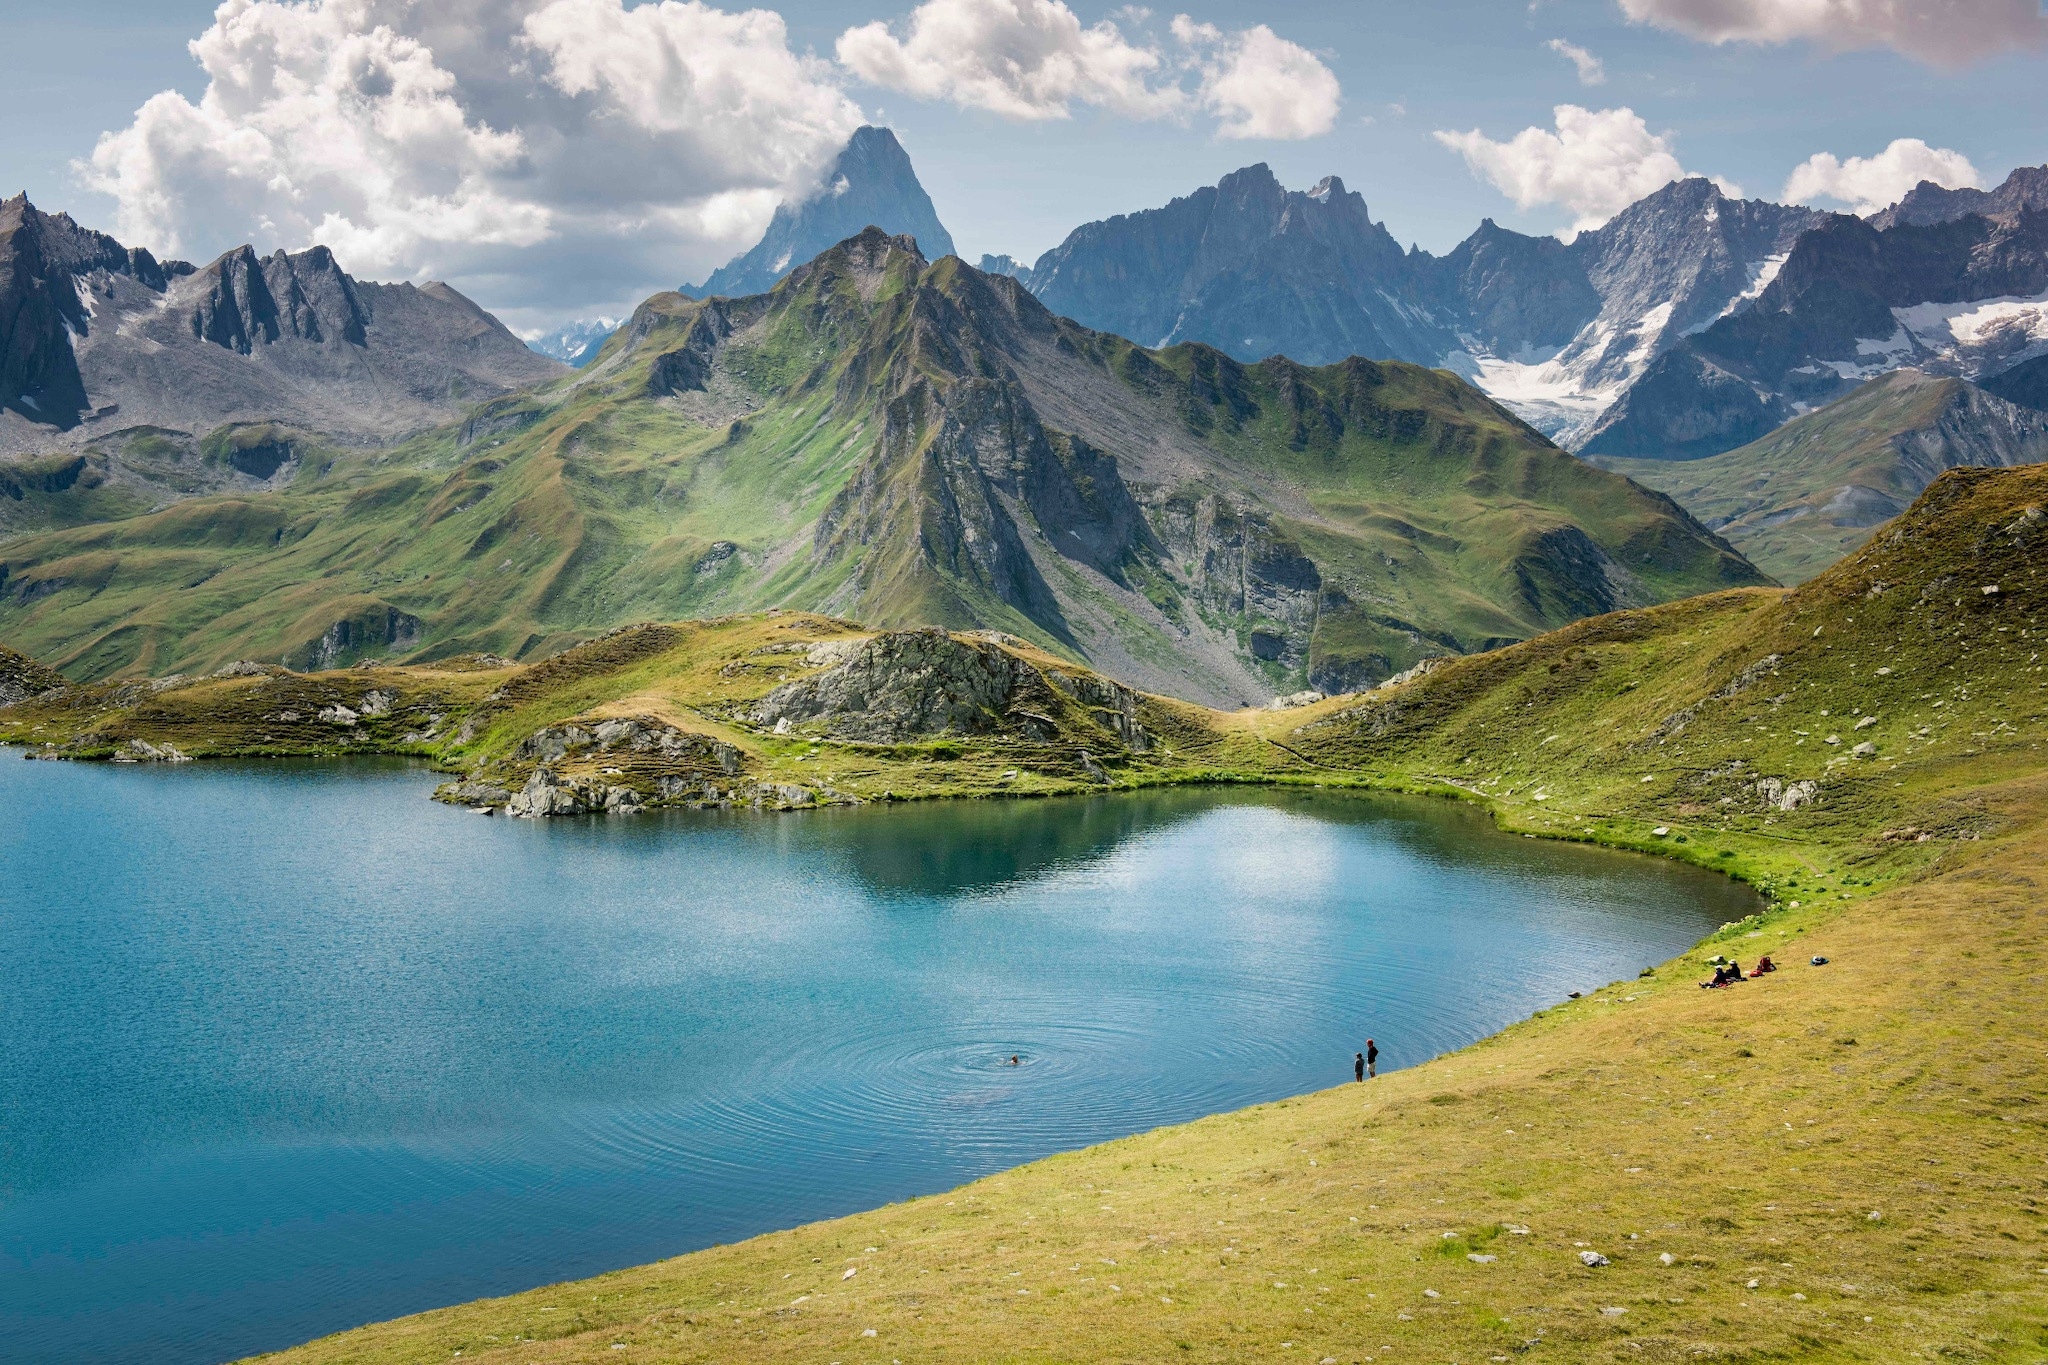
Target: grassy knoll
pixel 1831 1163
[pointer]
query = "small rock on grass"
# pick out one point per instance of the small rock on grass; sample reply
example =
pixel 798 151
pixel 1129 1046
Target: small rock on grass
pixel 1592 1258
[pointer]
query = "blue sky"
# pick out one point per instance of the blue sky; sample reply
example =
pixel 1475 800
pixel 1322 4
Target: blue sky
pixel 1747 111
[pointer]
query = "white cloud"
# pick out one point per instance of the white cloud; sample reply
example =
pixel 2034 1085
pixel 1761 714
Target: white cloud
pixel 1942 32
pixel 546 155
pixel 1259 84
pixel 1022 59
pixel 1870 183
pixel 1034 60
pixel 1598 162
pixel 1590 69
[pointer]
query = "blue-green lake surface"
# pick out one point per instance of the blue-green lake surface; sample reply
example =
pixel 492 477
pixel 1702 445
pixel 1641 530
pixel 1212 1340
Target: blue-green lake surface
pixel 289 1048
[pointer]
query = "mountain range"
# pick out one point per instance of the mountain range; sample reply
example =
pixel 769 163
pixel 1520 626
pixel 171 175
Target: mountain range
pixel 98 339
pixel 1293 487
pixel 908 442
pixel 1671 331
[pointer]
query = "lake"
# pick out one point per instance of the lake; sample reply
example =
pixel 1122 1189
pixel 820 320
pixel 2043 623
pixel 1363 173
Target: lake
pixel 290 1048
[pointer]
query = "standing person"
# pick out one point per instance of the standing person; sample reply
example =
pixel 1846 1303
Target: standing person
pixel 1372 1058
pixel 1358 1067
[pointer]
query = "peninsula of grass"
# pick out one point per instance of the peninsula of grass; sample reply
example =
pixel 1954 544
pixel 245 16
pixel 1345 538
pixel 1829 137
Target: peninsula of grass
pixel 1833 1162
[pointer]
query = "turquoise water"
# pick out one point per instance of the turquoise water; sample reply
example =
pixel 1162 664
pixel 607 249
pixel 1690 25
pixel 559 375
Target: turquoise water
pixel 290 1048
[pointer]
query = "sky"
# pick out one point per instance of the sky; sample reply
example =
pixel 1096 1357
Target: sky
pixel 558 159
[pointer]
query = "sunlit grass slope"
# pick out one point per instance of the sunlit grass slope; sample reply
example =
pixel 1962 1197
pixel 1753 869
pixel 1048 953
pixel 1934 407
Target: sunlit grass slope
pixel 1810 492
pixel 1841 1162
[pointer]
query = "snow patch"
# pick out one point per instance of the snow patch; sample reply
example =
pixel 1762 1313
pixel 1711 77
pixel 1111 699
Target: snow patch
pixel 1898 346
pixel 1760 274
pixel 2001 321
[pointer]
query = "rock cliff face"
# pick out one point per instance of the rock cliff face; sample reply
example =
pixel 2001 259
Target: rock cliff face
pixel 96 339
pixel 870 183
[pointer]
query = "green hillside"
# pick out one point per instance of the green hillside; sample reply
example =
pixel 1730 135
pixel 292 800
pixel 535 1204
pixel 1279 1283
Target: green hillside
pixel 1831 1163
pixel 1800 498
pixel 904 442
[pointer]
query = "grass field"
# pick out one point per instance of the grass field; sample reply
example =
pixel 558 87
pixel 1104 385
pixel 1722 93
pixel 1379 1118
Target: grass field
pixel 1839 1162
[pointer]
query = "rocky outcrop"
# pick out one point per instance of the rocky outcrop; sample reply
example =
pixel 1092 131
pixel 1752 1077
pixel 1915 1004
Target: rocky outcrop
pixel 688 366
pixel 377 628
pixel 22 677
pixel 910 685
pixel 869 184
pixel 903 685
pixel 616 765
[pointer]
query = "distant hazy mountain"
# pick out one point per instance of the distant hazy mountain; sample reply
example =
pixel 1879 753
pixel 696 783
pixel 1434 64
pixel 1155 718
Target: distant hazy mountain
pixel 2025 190
pixel 905 442
pixel 578 342
pixel 870 183
pixel 1557 331
pixel 96 338
pixel 1800 498
pixel 1961 295
pixel 1249 267
pixel 1005 265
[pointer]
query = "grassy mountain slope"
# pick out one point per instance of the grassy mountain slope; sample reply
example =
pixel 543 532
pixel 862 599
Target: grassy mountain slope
pixel 1800 498
pixel 1830 1163
pixel 909 443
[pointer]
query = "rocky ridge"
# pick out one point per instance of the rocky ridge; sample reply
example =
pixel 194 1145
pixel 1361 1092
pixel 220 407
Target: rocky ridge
pixel 1555 330
pixel 97 339
pixel 1954 283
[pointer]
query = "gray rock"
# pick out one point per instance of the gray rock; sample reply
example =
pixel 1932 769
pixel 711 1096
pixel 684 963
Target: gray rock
pixel 1593 1258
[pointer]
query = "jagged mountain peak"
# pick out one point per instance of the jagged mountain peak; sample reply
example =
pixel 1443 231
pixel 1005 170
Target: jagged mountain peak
pixel 1246 265
pixel 870 183
pixel 1928 204
pixel 100 336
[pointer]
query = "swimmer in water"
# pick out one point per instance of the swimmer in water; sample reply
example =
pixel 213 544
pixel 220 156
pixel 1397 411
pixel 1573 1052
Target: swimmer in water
pixel 1014 1061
